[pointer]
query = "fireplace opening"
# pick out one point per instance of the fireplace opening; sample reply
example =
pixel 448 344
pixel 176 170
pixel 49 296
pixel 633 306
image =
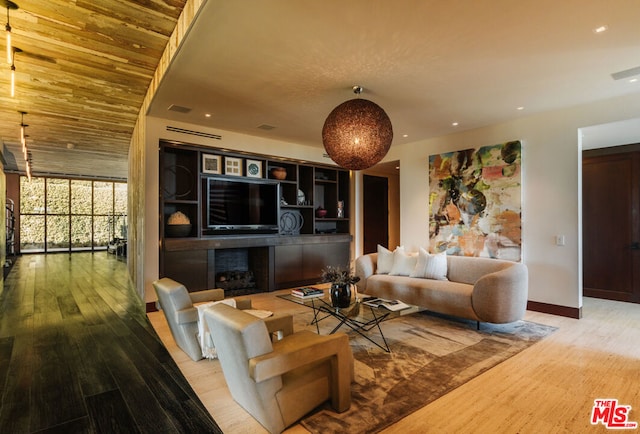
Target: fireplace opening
pixel 240 271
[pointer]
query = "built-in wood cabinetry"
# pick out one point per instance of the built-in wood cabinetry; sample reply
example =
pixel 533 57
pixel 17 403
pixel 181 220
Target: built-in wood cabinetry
pixel 304 241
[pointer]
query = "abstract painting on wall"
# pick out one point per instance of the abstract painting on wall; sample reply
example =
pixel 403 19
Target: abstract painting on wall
pixel 475 202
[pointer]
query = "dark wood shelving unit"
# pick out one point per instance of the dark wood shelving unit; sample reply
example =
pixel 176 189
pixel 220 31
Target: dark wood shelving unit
pixel 294 256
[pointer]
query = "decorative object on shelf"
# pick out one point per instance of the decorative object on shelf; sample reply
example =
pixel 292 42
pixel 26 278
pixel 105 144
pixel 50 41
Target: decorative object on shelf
pixel 301 198
pixel 291 222
pixel 341 279
pixel 357 134
pixel 178 225
pixel 321 212
pixel 279 173
pixel 211 163
pixel 170 184
pixel 283 202
pixel 254 168
pixel 340 213
pixel 233 166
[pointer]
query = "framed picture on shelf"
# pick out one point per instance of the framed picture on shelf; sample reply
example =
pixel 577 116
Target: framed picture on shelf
pixel 233 166
pixel 253 168
pixel 211 163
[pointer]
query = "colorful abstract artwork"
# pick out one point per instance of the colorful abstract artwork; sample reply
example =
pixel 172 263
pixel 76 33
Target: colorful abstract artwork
pixel 475 202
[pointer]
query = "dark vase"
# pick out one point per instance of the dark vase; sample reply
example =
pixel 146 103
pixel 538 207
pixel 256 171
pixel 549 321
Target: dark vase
pixel 340 295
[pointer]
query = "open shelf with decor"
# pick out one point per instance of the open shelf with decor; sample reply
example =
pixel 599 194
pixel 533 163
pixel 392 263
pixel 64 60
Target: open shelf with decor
pixel 259 207
pixel 179 192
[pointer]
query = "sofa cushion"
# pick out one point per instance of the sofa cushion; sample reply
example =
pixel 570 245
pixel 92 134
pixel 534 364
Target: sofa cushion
pixel 385 259
pixel 468 269
pixel 430 266
pixel 403 263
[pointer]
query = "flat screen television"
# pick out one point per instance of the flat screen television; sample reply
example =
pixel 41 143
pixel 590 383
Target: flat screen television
pixel 236 206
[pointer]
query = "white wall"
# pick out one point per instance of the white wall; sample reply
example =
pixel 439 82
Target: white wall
pixel 551 206
pixel 551 161
pixel 156 130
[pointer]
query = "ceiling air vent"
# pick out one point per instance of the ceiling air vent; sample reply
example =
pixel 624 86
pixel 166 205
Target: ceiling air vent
pixel 621 75
pixel 178 108
pixel 266 127
pixel 193 133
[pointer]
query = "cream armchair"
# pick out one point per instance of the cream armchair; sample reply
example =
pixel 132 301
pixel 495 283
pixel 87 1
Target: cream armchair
pixel 177 304
pixel 279 382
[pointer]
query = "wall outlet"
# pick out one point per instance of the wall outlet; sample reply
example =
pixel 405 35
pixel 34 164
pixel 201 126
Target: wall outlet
pixel 560 240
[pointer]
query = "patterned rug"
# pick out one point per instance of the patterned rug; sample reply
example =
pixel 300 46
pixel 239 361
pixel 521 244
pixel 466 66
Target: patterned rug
pixel 430 356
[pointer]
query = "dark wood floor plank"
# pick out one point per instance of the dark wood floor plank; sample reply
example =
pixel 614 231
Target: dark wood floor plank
pixel 15 405
pixel 55 373
pixel 78 354
pixel 93 373
pixel 168 390
pixel 76 426
pixel 110 414
pixel 144 406
pixel 6 348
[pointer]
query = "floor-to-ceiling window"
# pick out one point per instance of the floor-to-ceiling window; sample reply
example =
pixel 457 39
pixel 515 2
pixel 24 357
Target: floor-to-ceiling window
pixel 58 214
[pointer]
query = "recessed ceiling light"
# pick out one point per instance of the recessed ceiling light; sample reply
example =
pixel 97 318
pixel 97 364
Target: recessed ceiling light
pixel 207 115
pixel 520 108
pixel 455 124
pixel 600 29
pixel 405 135
pixel 633 80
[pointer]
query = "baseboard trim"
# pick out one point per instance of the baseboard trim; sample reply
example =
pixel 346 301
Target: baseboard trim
pixel 151 307
pixel 554 309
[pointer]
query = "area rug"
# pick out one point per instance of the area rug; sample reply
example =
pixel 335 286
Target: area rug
pixel 430 356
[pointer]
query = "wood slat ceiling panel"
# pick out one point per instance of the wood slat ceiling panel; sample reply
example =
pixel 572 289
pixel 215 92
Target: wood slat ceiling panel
pixel 82 77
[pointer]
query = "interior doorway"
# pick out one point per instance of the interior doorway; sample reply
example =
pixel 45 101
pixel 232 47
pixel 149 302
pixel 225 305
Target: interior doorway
pixel 375 212
pixel 611 223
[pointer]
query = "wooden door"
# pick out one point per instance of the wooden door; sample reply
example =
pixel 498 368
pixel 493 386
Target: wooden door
pixel 611 224
pixel 375 212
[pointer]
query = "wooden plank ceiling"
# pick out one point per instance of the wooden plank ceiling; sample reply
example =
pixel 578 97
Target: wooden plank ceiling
pixel 81 76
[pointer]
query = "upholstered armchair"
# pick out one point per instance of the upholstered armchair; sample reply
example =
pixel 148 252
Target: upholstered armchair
pixel 177 304
pixel 279 382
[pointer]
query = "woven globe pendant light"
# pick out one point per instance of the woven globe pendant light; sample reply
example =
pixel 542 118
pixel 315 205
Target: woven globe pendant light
pixel 357 134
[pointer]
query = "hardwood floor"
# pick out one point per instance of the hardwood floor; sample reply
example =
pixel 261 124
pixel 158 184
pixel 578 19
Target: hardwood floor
pixel 78 354
pixel 550 387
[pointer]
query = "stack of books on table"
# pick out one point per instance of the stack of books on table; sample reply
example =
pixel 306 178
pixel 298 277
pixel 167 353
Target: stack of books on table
pixel 307 292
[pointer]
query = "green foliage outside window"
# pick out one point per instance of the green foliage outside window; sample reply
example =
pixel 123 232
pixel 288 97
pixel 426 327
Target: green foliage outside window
pixel 61 214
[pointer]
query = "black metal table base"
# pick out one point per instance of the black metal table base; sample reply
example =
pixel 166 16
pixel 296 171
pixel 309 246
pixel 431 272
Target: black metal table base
pixel 358 326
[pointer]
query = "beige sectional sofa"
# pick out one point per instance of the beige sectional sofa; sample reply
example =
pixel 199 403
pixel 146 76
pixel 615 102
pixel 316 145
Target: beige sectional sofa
pixel 479 289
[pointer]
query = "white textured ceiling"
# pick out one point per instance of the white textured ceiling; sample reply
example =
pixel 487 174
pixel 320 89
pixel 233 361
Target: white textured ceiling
pixel 428 63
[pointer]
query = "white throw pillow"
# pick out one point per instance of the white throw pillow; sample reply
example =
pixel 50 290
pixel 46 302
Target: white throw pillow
pixel 385 260
pixel 403 263
pixel 430 266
